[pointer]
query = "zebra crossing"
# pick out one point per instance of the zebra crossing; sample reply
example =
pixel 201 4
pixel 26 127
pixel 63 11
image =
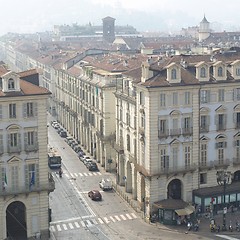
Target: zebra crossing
pixel 88 174
pixel 87 223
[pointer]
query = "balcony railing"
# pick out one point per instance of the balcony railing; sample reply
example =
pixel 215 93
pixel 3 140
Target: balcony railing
pixel 175 132
pixel 187 131
pixel 221 127
pixel 176 169
pixel 163 133
pixel 50 186
pixel 236 161
pixel 204 128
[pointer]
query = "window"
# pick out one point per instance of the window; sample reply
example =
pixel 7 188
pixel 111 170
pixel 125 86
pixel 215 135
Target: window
pixel 221 95
pixel 203 178
pixel 30 109
pixel 175 98
pixel 186 125
pixel 203 154
pixel 128 119
pixel 143 121
pixel 11 84
pixel 12 110
pixel 220 72
pixel 205 96
pixel 236 94
pixel 203 72
pixel 237 150
pixel 187 156
pixel 162 100
pixel 221 122
pixel 204 125
pixel 13 139
pixel 141 98
pixel 30 140
pixel 163 126
pixel 187 99
pixel 31 176
pixel 221 144
pixel 237 117
pixel 174 74
pixel 1 143
pixel 238 71
pixel 14 177
pixel 128 142
pixel 164 159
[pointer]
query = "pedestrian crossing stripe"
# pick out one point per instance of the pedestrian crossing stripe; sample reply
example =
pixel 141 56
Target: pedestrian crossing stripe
pixel 74 175
pixel 91 222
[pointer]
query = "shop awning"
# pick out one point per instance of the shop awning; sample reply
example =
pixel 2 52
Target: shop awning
pixel 185 211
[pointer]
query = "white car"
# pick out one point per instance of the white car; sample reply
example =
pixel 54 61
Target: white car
pixel 105 184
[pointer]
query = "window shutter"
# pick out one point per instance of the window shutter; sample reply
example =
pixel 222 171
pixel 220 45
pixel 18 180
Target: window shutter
pixel 26 176
pixel 216 119
pixel 36 175
pixel 25 110
pixel 216 145
pixel 208 120
pixel 35 105
pixel 36 140
pixel 208 96
pixel 19 142
pixel 9 142
pixel 1 112
pixel 1 143
pixel 225 119
pixel 234 117
pixel 225 144
pixel 25 140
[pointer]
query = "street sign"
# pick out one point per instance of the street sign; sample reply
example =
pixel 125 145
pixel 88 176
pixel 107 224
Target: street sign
pixel 225 210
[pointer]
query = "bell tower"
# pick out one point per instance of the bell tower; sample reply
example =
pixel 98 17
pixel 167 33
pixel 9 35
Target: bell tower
pixel 204 30
pixel 109 29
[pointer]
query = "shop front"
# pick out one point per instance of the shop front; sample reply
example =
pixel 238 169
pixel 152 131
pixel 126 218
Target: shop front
pixel 173 211
pixel 210 200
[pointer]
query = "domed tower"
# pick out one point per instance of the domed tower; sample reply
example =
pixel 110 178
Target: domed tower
pixel 109 29
pixel 204 30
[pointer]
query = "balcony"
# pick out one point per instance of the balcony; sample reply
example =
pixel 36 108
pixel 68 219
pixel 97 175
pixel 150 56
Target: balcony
pixel 236 161
pixel 163 133
pixel 204 128
pixel 187 131
pixel 50 186
pixel 221 163
pixel 176 170
pixel 206 165
pixel 221 127
pixel 175 132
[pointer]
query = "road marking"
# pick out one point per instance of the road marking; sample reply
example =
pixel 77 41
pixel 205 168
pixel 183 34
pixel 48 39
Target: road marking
pixel 227 237
pixel 70 225
pixel 112 219
pixel 106 220
pixel 72 175
pixel 83 224
pixel 64 226
pixel 52 228
pixel 99 173
pixel 95 221
pixel 76 175
pixel 89 224
pixel 129 217
pixel 59 228
pixel 80 174
pixel 90 174
pixel 67 175
pixel 72 219
pixel 85 174
pixel 77 225
pixel 117 217
pixel 95 174
pixel 134 216
pixel 123 217
pixel 100 220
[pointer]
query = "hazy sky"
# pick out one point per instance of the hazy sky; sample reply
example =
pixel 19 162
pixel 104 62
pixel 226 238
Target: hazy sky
pixel 160 15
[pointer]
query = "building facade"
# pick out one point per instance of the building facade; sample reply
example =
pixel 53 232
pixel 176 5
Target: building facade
pixel 25 179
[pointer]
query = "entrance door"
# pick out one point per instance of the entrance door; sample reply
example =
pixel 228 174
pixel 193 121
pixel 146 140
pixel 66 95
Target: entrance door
pixel 175 189
pixel 16 221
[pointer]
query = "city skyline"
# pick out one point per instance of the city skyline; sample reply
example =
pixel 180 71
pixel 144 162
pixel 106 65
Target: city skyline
pixel 164 16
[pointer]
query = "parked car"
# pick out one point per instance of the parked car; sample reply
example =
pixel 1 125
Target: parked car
pixel 105 184
pixel 67 139
pixel 54 122
pixel 63 134
pixel 77 148
pixel 56 126
pixel 87 161
pixel 84 158
pixel 92 166
pixel 81 154
pixel 59 130
pixel 95 195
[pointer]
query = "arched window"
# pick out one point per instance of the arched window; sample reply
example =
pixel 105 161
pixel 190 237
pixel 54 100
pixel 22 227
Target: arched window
pixel 174 74
pixel 11 84
pixel 220 72
pixel 203 72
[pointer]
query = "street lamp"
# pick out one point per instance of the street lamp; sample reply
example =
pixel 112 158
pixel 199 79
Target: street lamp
pixel 224 178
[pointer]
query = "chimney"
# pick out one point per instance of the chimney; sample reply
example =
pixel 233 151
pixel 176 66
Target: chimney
pixel 146 72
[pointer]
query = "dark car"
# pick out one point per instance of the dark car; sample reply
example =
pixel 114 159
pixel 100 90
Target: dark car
pixel 92 166
pixel 77 148
pixel 63 134
pixel 95 195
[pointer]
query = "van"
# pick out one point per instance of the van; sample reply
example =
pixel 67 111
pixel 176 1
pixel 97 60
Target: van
pixel 105 184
